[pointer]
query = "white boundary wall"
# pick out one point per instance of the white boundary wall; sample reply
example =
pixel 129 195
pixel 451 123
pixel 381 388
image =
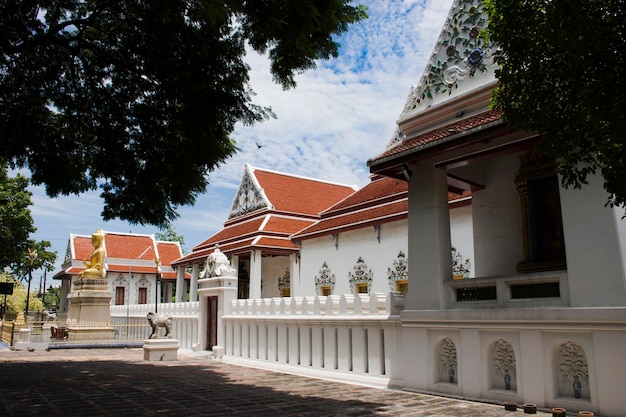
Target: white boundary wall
pixel 350 338
pixel 373 341
pixel 184 319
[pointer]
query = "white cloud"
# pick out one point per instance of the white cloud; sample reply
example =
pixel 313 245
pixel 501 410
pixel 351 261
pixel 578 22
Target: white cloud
pixel 339 115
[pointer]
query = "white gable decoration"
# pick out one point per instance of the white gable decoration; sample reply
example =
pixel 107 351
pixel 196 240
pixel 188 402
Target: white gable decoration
pixel 462 59
pixel 249 197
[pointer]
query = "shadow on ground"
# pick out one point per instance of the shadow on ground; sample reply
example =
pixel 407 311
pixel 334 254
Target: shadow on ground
pixel 119 388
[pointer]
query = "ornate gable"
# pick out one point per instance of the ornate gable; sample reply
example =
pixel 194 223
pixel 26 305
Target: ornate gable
pixel 248 197
pixel 462 60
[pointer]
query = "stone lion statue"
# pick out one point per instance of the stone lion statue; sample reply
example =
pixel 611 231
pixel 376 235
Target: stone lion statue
pixel 160 320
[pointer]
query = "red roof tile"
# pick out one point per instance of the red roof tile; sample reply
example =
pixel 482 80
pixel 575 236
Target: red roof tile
pixel 168 251
pixel 292 194
pixel 129 246
pixel 356 219
pixel 440 134
pixel 233 230
pixel 82 247
pixel 285 225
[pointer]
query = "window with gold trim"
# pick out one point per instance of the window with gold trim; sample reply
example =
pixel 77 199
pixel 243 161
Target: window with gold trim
pixel 362 288
pixel 325 290
pixel 402 286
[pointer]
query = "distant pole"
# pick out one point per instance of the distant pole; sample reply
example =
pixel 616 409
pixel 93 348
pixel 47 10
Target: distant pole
pixel 32 255
pixel 156 287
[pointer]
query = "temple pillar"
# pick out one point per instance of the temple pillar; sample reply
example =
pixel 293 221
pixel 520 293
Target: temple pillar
pixel 193 284
pixel 180 284
pixel 255 274
pixel 429 239
pixel 586 219
pixel 294 273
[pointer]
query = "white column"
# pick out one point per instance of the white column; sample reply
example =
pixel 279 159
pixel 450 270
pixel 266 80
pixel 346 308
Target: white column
pixel 193 285
pixel 180 284
pixel 595 242
pixel 429 238
pixel 167 291
pixel 255 274
pixel 234 263
pixel 294 273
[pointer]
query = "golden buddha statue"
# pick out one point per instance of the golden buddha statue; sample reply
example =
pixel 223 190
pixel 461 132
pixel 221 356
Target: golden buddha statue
pixel 95 266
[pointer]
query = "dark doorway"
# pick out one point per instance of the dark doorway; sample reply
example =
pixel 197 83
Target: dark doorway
pixel 211 329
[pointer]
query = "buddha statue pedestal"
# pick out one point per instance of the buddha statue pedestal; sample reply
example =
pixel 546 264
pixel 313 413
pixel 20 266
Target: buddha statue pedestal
pixel 89 313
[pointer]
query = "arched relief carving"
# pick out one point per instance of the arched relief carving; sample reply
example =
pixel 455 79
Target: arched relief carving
pixel 542 224
pixel 448 370
pixel 504 369
pixel 573 370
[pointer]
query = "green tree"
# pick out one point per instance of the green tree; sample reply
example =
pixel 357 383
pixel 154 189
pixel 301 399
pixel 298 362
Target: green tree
pixel 562 75
pixel 18 253
pixel 16 222
pixel 52 299
pixel 139 99
pixel 16 302
pixel 168 234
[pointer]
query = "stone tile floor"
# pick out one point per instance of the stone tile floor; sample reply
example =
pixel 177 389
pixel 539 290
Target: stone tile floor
pixel 119 382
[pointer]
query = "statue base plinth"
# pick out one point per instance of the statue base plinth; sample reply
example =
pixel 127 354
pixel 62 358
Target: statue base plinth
pixel 89 313
pixel 160 350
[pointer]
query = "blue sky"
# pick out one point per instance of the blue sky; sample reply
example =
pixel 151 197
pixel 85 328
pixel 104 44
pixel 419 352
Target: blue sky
pixel 338 116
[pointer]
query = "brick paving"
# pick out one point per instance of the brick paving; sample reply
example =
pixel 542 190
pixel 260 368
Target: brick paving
pixel 119 382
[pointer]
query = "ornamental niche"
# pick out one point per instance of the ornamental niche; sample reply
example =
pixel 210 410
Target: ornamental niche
pixel 325 279
pixel 399 272
pixel 361 275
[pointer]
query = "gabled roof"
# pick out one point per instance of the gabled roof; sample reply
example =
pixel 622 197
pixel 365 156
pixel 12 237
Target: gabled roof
pixel 447 120
pixel 462 60
pixel 262 189
pixel 124 252
pixel 268 208
pixel 381 201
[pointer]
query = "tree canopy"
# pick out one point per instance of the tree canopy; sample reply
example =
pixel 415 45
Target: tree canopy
pixel 139 99
pixel 562 75
pixel 16 226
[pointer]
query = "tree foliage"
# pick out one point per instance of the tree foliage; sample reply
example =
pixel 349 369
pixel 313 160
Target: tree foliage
pixel 16 226
pixel 562 75
pixel 16 223
pixel 16 302
pixel 168 234
pixel 139 99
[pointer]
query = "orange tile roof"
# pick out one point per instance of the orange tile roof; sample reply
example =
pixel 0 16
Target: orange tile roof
pixel 168 251
pixel 440 134
pixel 285 225
pixel 129 246
pixel 125 249
pixel 292 194
pixel 82 247
pixel 381 201
pixel 356 219
pixel 233 230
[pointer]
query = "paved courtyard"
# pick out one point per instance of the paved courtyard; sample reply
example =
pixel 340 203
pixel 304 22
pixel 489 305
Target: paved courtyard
pixel 119 382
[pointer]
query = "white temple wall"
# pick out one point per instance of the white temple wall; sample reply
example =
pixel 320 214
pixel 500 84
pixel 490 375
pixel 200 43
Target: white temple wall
pixel 462 234
pixel 272 268
pixel 377 256
pixel 498 245
pixel 351 245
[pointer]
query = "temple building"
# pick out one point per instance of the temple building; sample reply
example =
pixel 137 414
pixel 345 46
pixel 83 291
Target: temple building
pixel 268 208
pixel 135 264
